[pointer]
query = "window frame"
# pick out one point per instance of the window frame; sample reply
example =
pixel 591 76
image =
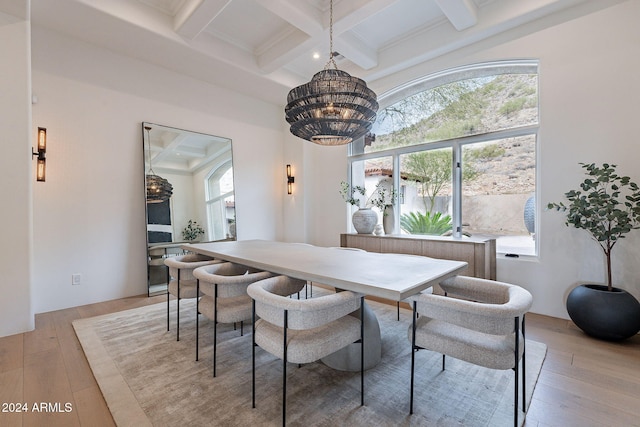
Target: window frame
pixel 438 79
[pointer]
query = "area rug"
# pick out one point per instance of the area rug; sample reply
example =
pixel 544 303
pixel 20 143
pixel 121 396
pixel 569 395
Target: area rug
pixel 149 378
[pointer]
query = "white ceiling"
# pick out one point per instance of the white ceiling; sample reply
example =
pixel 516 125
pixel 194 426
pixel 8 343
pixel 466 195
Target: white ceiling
pixel 265 47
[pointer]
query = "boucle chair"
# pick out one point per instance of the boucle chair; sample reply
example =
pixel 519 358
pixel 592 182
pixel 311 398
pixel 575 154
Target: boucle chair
pixel 224 296
pixel 302 331
pixel 182 284
pixel 483 324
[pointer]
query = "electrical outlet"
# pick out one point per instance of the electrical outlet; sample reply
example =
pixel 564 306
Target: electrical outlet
pixel 76 279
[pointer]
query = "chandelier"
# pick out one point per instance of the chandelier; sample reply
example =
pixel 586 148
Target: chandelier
pixel 158 188
pixel 334 108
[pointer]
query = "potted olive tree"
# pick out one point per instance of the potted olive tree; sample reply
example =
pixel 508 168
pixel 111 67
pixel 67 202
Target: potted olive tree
pixel 607 205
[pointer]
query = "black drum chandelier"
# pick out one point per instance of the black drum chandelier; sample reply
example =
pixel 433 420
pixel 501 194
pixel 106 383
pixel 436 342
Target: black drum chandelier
pixel 158 188
pixel 334 108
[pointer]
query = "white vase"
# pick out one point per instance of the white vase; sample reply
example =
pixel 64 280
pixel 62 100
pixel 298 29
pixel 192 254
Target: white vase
pixel 364 220
pixel 388 220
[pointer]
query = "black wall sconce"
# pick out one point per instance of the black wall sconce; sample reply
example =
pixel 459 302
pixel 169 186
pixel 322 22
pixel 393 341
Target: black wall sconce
pixel 290 180
pixel 41 167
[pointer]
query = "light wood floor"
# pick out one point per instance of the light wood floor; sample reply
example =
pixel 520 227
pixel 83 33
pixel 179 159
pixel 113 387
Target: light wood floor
pixel 584 382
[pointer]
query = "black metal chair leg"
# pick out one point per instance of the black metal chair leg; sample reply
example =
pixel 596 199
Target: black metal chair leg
pixel 524 371
pixel 362 351
pixel 197 320
pixel 284 368
pixel 413 352
pixel 253 355
pixel 178 321
pixel 168 294
pixel 398 309
pixel 516 371
pixel 178 311
pixel 215 327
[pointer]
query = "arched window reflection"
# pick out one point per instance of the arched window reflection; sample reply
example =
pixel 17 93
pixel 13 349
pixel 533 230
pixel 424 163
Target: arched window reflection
pixel 220 202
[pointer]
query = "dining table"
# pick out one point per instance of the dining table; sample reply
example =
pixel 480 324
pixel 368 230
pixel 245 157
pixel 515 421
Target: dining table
pixel 390 276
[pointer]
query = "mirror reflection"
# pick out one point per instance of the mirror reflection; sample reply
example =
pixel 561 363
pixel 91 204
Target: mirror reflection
pixel 200 205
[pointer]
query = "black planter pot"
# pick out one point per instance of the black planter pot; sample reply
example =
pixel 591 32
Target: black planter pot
pixel 611 316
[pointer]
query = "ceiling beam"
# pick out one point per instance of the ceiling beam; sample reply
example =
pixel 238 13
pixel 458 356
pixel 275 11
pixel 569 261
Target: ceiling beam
pixel 286 50
pixel 462 14
pixel 297 13
pixel 312 22
pixel 349 14
pixel 195 15
pixel 347 43
pixel 357 51
pixel 308 30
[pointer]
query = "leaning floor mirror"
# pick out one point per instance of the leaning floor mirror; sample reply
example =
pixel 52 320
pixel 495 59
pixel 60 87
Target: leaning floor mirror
pixel 189 194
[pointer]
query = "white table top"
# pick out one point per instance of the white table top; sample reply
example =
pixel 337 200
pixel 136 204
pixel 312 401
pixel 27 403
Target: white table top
pixel 384 275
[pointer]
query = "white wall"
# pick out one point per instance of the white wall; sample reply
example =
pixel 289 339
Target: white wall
pixel 588 113
pixel 16 177
pixel 310 212
pixel 89 215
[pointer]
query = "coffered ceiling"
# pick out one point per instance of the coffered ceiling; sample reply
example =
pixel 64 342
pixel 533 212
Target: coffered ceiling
pixel 266 47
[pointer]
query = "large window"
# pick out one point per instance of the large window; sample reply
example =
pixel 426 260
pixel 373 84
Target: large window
pixel 460 150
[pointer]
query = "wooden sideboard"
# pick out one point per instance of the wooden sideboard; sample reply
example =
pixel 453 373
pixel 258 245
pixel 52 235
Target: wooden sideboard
pixel 479 253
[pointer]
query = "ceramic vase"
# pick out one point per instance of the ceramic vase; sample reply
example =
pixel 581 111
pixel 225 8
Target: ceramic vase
pixel 364 220
pixel 388 220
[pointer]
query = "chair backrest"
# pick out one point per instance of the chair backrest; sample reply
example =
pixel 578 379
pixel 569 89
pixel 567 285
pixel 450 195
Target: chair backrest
pixel 302 314
pixel 232 279
pixel 480 304
pixel 186 264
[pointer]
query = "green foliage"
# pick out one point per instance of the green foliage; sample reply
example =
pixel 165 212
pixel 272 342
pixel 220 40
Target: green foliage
pixel 456 109
pixel 453 129
pixel 431 170
pixel 467 106
pixel 450 111
pixel 382 197
pixel 192 231
pixel 349 194
pixel 429 223
pixel 493 87
pixel 607 205
pixel 512 105
pixel 428 102
pixel 419 117
pixel 522 89
pixel 485 152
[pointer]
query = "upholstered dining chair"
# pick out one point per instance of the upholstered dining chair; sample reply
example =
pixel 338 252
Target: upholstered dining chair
pixel 479 321
pixel 182 283
pixel 224 296
pixel 302 331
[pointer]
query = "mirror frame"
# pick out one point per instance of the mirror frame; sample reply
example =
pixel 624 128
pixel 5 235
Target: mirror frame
pixel 182 156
